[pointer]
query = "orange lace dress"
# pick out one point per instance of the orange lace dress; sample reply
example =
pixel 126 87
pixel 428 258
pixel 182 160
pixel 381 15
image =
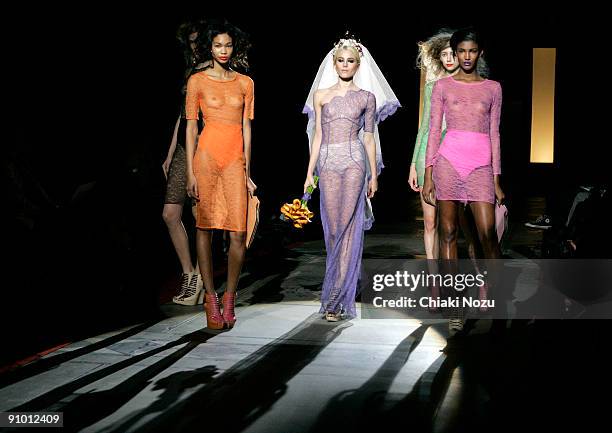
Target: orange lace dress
pixel 219 163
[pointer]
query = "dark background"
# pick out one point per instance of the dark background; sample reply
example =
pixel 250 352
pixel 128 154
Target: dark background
pixel 93 97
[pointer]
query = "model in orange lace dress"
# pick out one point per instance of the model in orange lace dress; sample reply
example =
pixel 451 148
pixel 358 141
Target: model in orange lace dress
pixel 219 161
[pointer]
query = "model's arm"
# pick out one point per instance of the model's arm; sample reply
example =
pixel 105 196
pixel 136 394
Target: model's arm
pixel 172 148
pixel 316 142
pixel 494 130
pixel 369 143
pixel 247 116
pixel 495 142
pixel 421 139
pixel 436 114
pixel 191 110
pixel 433 141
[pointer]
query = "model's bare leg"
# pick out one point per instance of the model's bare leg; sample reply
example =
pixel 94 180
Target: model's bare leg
pixel 236 255
pixel 431 234
pixel 484 216
pixel 172 217
pixel 448 229
pixel 203 244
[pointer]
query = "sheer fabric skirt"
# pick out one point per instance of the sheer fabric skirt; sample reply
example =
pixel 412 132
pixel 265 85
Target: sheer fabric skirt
pixel 462 169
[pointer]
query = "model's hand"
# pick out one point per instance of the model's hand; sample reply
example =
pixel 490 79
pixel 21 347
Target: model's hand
pixel 429 192
pixel 192 186
pixel 412 178
pixel 309 181
pixel 251 187
pixel 372 187
pixel 499 195
pixel 166 166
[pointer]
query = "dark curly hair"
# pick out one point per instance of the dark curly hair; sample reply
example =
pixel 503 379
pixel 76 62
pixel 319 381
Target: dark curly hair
pixel 466 34
pixel 192 57
pixel 240 41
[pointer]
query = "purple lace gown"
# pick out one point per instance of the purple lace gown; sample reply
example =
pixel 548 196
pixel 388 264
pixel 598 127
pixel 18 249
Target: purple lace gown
pixel 342 169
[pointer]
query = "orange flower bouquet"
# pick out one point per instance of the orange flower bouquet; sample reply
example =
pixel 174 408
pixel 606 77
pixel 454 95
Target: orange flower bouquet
pixel 297 212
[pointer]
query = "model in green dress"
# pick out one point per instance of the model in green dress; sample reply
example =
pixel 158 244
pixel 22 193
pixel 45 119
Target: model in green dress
pixel 436 59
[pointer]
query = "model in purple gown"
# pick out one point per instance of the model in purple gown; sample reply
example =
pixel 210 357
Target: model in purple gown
pixel 347 100
pixel 342 181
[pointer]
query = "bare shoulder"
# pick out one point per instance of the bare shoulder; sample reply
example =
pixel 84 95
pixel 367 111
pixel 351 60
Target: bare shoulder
pixel 326 90
pixel 322 92
pixel 319 95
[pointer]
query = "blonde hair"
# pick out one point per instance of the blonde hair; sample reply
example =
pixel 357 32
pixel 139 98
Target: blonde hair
pixel 346 46
pixel 429 54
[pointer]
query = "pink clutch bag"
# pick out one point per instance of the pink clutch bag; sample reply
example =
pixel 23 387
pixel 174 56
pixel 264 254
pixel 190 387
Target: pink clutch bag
pixel 501 220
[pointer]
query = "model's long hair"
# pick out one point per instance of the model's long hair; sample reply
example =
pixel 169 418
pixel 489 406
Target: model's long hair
pixel 240 41
pixel 192 57
pixel 428 58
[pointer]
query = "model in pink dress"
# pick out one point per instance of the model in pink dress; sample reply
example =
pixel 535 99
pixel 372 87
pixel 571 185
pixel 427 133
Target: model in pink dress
pixel 465 167
pixel 465 162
